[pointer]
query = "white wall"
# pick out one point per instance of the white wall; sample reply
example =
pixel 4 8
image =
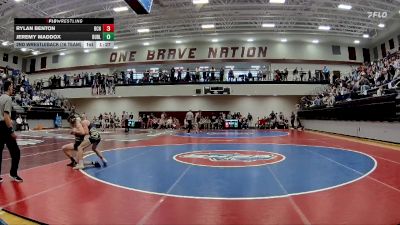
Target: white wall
pixel 276 50
pixel 190 90
pixel 258 106
pixel 10 63
pixel 309 51
pixel 384 131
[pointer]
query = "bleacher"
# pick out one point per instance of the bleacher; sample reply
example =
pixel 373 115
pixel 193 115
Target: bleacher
pixel 382 108
pixel 45 112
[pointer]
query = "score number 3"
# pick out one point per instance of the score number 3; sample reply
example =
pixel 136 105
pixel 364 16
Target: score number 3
pixel 108 27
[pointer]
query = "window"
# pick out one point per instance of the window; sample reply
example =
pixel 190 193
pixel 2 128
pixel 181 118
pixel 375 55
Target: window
pixel 391 43
pixel 376 56
pixel 5 57
pixel 336 50
pixel 24 63
pixel 383 50
pixel 352 53
pixel 43 62
pixel 366 55
pixel 15 59
pixel 54 59
pixel 32 66
pixel 398 41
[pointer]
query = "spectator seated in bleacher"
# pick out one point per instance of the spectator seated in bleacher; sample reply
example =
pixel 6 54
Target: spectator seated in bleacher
pixel 368 80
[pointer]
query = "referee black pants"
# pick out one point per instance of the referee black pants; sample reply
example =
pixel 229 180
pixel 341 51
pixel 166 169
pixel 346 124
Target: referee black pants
pixel 7 139
pixel 126 126
pixel 190 125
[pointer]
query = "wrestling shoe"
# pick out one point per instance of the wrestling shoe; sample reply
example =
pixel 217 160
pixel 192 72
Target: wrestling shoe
pixel 16 178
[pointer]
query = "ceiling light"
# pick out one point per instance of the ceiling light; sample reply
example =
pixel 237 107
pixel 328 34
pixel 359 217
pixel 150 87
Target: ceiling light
pixel 381 25
pixel 207 26
pixel 277 1
pixel 5 43
pixel 324 27
pixel 120 9
pixel 178 41
pixel 365 35
pixel 146 44
pixel 200 2
pixel 64 49
pixel 356 41
pixel 86 51
pixel 62 53
pixel 315 41
pixel 115 47
pixel 143 30
pixel 214 40
pixel 343 6
pixel 35 52
pixel 268 25
pixel 18 0
pixel 250 40
pixel 283 40
pixel 24 49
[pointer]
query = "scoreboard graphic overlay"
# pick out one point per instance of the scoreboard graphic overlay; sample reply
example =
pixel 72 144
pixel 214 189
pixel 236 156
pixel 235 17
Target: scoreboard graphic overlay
pixel 64 33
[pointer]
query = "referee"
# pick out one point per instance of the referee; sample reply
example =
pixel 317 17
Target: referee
pixel 7 135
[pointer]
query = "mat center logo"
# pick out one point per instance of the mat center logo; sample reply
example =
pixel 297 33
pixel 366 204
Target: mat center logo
pixel 223 158
pixel 25 142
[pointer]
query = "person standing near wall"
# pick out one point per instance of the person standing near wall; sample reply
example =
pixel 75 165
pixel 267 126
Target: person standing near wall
pixel 172 74
pixel 179 78
pixel 189 119
pixel 19 123
pixel 231 75
pixel 295 73
pixel 125 119
pixel 212 74
pixel 326 73
pixel 25 123
pixel 197 119
pixel 292 119
pixel 249 119
pixel 221 74
pixel 8 136
pixel 299 125
pixel 197 75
